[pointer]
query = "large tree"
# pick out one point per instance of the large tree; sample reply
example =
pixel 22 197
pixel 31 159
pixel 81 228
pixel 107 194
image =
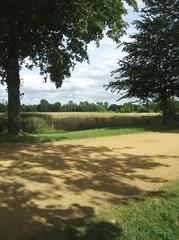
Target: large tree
pixel 52 35
pixel 150 69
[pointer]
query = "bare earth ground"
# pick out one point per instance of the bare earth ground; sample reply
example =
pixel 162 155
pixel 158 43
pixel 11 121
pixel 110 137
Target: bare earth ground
pixel 43 184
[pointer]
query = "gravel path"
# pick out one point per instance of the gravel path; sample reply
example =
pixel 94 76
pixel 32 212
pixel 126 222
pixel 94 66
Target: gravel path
pixel 43 184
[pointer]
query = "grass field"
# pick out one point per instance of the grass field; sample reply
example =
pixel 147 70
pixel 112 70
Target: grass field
pixel 56 122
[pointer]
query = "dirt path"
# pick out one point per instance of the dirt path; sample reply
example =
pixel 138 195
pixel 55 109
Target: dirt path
pixel 42 184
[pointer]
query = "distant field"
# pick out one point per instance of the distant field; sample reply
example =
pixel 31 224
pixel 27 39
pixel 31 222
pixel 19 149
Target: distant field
pixel 92 114
pixel 67 121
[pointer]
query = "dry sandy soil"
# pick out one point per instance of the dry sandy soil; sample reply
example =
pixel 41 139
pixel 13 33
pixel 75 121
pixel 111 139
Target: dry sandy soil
pixel 44 184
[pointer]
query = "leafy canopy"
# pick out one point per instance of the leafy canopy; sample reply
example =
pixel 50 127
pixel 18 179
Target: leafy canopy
pixel 53 34
pixel 150 69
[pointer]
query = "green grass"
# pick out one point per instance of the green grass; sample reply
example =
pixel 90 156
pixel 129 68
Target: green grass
pixel 70 135
pixel 101 132
pixel 154 216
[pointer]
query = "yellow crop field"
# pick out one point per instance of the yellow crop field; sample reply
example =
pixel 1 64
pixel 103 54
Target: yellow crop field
pixel 72 121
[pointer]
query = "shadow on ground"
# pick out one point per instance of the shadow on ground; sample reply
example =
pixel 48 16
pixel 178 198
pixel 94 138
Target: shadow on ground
pixel 75 230
pixel 42 186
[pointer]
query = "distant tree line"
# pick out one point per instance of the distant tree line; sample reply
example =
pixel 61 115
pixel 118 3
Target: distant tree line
pixel 45 106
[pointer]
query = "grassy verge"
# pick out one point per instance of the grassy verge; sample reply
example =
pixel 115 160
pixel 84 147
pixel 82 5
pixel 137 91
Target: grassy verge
pixel 150 217
pixel 68 135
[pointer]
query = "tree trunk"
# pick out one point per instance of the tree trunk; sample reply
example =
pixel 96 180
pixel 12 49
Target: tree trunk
pixel 165 111
pixel 13 86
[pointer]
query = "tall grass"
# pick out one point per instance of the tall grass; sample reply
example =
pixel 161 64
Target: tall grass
pixel 57 122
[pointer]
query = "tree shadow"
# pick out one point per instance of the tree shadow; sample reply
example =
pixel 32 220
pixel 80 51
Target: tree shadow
pixel 82 229
pixel 44 185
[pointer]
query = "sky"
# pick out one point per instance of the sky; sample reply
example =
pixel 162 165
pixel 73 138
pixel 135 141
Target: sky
pixel 87 80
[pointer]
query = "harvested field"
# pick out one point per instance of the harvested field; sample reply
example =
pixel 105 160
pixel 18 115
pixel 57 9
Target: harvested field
pixel 43 184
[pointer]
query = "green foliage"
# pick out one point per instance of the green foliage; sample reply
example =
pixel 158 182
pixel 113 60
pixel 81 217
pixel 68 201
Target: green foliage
pixel 127 108
pixel 150 68
pixel 97 107
pixel 173 107
pixel 85 106
pixel 43 106
pixel 35 124
pixel 114 108
pixel 53 35
pixel 3 107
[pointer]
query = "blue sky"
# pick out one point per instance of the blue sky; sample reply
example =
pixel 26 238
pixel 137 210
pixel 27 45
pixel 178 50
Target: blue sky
pixel 87 80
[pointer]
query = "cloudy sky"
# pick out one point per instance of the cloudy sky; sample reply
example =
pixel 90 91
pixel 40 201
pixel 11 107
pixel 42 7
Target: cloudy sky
pixel 87 80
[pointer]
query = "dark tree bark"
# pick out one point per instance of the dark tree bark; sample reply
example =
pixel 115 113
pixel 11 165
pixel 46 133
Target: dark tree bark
pixel 13 84
pixel 165 111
